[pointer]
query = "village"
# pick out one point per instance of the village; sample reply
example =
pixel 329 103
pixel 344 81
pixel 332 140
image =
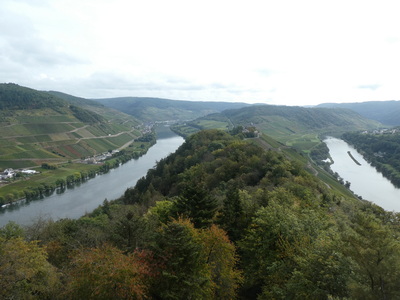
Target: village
pixel 383 131
pixel 11 173
pixel 98 159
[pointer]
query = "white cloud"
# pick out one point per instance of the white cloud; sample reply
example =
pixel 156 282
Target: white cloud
pixel 282 52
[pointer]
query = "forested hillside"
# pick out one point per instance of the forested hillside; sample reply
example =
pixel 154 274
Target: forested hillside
pixel 382 151
pixel 219 219
pixel 157 109
pixel 15 97
pixel 385 112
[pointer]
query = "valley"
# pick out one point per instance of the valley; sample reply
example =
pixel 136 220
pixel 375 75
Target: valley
pixel 248 203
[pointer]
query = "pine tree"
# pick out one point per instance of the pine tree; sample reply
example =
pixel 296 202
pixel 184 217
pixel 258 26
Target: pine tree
pixel 196 204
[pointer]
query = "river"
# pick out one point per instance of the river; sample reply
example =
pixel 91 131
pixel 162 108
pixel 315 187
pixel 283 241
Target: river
pixel 365 180
pixel 74 203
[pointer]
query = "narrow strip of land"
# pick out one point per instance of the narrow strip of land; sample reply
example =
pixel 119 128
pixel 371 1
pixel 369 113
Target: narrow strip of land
pixel 352 157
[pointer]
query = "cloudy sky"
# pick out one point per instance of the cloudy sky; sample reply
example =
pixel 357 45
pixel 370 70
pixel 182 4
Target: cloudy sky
pixel 276 52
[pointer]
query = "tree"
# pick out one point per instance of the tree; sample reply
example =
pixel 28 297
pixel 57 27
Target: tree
pixel 25 272
pixel 232 214
pixel 273 246
pixel 196 204
pixel 11 230
pixel 376 253
pixel 106 273
pixel 128 228
pixel 221 258
pixel 182 255
pixel 322 270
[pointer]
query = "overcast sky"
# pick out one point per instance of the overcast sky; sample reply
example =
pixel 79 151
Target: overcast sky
pixel 274 52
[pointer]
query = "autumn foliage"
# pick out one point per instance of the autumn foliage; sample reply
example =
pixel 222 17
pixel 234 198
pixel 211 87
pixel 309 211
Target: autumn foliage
pixel 107 273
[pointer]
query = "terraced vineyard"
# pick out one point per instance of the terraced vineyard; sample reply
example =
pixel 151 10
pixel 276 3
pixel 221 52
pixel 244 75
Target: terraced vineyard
pixel 32 142
pixel 43 131
pixel 53 130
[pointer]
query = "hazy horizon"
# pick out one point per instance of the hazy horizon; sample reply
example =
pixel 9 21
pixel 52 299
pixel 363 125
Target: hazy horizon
pixel 270 52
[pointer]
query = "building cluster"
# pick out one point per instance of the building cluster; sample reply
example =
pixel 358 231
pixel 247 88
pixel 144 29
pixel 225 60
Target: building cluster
pixel 99 158
pixel 11 173
pixel 382 131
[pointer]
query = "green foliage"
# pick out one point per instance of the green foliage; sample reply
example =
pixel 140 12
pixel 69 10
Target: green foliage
pixel 25 272
pixel 48 166
pixel 222 219
pixel 320 153
pixel 196 204
pixel 376 254
pixel 13 96
pixel 232 217
pixel 185 274
pixel 222 259
pixel 86 116
pixel 11 230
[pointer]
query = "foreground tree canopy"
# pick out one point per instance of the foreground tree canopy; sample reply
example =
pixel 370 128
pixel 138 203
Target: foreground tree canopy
pixel 219 219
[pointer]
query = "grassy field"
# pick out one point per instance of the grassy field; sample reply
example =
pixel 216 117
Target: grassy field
pixel 46 177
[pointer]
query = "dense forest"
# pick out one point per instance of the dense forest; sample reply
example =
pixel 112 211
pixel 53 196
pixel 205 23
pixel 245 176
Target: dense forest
pixel 13 96
pixel 381 150
pixel 221 218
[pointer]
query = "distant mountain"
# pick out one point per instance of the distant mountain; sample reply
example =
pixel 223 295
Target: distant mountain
pixel 98 108
pixel 297 118
pixel 158 109
pixel 386 112
pixel 37 127
pixel 287 124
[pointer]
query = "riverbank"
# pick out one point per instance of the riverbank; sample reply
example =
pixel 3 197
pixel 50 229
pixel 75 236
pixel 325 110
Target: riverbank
pixel 84 198
pixel 68 174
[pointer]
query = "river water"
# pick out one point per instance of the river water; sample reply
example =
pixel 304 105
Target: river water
pixel 74 203
pixel 365 180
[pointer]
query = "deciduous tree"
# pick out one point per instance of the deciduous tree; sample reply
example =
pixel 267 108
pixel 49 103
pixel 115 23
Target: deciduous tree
pixel 25 272
pixel 107 273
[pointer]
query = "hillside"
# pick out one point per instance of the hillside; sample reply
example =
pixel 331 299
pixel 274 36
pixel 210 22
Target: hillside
pixel 290 125
pixel 385 112
pixel 219 219
pixel 38 127
pixel 157 109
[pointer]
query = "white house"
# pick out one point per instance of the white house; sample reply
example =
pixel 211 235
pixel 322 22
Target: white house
pixel 29 172
pixel 8 173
